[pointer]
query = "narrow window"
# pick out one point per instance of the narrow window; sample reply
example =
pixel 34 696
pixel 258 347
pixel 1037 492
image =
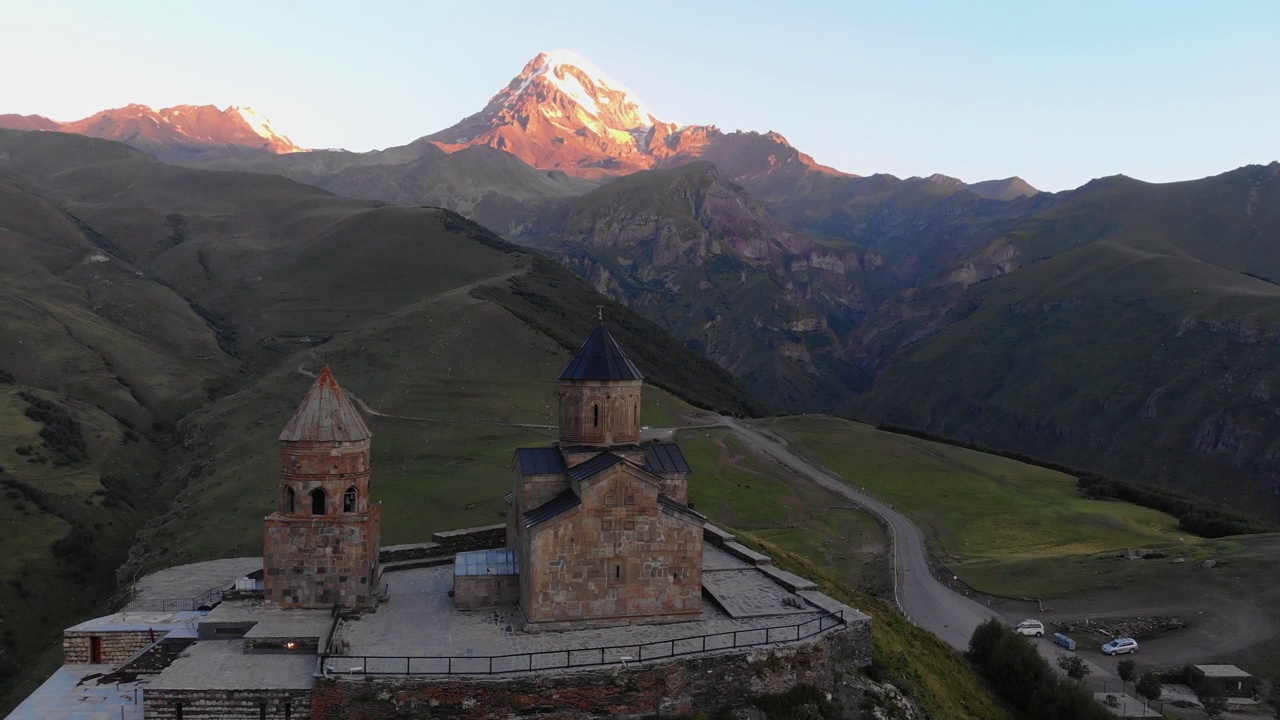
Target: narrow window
pixel 595 416
pixel 317 502
pixel 349 500
pixel 177 711
pixel 288 710
pixel 289 498
pixel 262 710
pixel 616 576
pixel 630 500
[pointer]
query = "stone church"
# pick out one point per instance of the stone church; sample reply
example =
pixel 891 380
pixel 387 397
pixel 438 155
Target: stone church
pixel 599 530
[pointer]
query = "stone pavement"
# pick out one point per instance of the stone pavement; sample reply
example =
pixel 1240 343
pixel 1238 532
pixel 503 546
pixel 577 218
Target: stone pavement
pixel 223 665
pixel 67 696
pixel 419 620
pixel 188 581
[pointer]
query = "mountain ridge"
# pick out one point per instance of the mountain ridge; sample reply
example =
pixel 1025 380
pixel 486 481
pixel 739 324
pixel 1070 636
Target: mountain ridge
pixel 181 132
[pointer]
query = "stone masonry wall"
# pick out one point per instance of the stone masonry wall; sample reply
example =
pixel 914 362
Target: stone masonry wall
pixel 117 647
pixel 226 704
pixel 619 556
pixel 698 684
pixel 316 563
pixel 473 592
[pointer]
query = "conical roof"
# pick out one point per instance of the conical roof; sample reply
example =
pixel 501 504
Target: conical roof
pixel 326 415
pixel 601 358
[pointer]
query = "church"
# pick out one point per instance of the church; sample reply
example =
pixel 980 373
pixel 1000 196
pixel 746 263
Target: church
pixel 599 525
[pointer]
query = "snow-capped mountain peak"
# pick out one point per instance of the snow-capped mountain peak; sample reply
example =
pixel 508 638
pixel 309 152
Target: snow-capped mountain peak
pixel 580 81
pixel 261 125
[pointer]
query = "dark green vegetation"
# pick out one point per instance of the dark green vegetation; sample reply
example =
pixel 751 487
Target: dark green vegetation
pixel 928 671
pixel 158 321
pixel 1017 672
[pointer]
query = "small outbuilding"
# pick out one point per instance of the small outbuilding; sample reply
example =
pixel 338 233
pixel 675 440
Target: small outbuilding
pixel 1228 680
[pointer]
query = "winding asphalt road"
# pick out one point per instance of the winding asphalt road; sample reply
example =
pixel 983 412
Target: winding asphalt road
pixel 925 601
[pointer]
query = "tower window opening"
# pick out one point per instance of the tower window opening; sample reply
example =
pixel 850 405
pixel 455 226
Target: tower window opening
pixel 317 502
pixel 595 416
pixel 290 499
pixel 349 500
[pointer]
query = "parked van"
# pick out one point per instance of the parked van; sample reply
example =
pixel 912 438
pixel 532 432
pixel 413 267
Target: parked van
pixel 1034 628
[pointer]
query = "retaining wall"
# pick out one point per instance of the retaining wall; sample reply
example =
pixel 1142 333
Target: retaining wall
pixel 696 684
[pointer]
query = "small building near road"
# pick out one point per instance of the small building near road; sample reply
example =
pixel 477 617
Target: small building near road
pixel 1229 680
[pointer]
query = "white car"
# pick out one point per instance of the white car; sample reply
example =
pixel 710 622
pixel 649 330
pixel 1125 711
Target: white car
pixel 1034 628
pixel 1120 645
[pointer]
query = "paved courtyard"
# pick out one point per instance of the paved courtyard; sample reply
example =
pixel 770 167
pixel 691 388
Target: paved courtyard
pixel 188 581
pixel 419 631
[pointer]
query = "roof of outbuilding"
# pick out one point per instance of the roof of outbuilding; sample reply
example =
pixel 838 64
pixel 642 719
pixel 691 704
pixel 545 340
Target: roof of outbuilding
pixel 601 358
pixel 326 414
pixel 562 503
pixel 540 461
pixel 664 458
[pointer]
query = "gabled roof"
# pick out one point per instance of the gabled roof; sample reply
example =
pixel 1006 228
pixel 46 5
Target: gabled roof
pixel 601 358
pixel 326 415
pixel 681 509
pixel 540 461
pixel 594 466
pixel 561 503
pixel 664 458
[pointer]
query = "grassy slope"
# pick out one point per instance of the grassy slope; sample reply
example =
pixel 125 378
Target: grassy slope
pixel 737 489
pixel 137 291
pixel 1004 527
pixel 1135 346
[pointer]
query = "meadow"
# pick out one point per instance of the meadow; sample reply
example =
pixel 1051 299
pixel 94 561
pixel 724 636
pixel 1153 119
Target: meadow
pixel 1004 527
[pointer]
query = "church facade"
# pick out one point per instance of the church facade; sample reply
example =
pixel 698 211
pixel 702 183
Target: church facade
pixel 599 524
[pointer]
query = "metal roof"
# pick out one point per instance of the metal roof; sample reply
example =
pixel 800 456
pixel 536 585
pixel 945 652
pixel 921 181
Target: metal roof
pixel 501 561
pixel 601 358
pixel 681 508
pixel 594 466
pixel 664 458
pixel 540 461
pixel 561 503
pixel 326 414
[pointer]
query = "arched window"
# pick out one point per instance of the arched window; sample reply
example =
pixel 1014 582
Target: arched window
pixel 289 498
pixel 349 500
pixel 595 415
pixel 317 502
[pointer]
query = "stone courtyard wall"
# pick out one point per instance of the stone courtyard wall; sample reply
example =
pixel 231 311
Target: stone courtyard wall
pixel 226 704
pixel 695 684
pixel 117 647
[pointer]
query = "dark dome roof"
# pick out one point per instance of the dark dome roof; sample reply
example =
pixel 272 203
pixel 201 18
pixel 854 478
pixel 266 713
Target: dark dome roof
pixel 601 358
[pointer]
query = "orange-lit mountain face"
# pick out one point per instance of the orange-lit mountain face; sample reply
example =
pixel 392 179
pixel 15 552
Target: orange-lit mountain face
pixel 176 133
pixel 561 114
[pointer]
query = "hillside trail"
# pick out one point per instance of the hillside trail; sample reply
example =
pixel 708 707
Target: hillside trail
pixel 926 602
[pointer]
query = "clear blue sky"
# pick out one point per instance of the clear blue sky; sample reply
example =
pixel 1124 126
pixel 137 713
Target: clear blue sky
pixel 1057 92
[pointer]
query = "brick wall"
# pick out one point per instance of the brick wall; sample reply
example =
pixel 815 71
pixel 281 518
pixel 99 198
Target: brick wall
pixel 117 647
pixel 701 684
pixel 226 704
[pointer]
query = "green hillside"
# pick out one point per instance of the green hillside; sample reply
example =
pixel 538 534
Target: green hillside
pixel 156 321
pixel 1141 348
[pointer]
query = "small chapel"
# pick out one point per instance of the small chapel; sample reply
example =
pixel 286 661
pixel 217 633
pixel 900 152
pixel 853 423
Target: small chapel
pixel 599 530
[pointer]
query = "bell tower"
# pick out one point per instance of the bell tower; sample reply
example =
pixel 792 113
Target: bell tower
pixel 600 395
pixel 320 547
